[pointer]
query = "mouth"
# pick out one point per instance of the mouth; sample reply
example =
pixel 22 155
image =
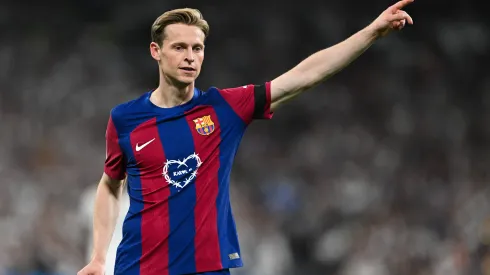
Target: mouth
pixel 188 69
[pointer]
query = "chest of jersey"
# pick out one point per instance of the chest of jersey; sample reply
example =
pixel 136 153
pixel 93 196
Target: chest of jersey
pixel 176 149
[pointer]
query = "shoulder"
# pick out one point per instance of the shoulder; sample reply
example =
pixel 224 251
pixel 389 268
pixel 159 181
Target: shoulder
pixel 211 91
pixel 230 93
pixel 210 96
pixel 232 90
pixel 126 109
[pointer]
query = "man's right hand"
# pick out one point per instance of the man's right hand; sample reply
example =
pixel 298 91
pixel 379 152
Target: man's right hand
pixel 93 268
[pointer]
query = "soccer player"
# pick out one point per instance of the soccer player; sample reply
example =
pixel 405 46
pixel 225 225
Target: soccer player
pixel 176 144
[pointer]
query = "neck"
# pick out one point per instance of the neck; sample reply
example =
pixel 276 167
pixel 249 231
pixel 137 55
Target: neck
pixel 169 95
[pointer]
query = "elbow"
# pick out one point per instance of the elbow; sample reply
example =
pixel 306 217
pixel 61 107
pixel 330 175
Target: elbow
pixel 111 186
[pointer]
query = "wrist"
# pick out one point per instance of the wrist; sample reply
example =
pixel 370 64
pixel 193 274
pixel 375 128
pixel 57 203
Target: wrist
pixel 98 259
pixel 372 32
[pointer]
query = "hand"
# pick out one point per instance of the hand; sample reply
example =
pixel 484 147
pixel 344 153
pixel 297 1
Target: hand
pixel 93 268
pixel 392 18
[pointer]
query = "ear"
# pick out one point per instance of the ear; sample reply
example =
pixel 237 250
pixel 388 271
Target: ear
pixel 155 51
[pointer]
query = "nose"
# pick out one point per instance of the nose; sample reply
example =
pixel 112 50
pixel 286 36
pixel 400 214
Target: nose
pixel 189 57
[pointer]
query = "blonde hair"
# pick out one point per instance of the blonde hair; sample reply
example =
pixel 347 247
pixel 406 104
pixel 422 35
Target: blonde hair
pixel 188 16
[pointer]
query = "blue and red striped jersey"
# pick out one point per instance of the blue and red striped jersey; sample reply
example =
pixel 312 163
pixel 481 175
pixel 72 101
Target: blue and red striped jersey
pixel 178 162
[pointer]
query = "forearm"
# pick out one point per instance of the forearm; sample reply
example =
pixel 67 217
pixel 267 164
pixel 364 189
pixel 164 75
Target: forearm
pixel 325 63
pixel 322 65
pixel 106 211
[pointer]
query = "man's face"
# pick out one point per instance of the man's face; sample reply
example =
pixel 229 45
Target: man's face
pixel 182 53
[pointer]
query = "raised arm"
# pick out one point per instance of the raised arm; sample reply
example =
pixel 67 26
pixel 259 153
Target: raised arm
pixel 325 63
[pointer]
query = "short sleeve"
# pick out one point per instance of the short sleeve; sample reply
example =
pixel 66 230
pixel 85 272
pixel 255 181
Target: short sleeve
pixel 250 102
pixel 114 165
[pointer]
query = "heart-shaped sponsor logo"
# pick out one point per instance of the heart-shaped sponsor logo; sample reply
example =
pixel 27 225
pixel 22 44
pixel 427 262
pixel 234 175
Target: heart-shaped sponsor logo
pixel 179 173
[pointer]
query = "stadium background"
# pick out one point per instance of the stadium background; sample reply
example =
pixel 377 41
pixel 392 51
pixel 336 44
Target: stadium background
pixel 381 170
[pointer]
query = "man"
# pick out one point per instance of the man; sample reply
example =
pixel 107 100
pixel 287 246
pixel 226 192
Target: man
pixel 176 146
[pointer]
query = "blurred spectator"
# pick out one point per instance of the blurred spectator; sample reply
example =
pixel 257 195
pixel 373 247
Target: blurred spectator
pixel 381 170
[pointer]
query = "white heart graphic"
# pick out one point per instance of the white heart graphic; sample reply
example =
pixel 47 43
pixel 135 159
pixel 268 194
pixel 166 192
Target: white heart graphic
pixel 181 184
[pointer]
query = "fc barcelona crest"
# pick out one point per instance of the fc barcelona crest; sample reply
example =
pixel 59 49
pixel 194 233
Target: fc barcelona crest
pixel 204 125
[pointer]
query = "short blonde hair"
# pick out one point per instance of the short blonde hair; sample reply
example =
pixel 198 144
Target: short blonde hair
pixel 188 16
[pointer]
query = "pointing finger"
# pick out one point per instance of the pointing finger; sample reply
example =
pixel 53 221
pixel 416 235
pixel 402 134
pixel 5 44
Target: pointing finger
pixel 400 5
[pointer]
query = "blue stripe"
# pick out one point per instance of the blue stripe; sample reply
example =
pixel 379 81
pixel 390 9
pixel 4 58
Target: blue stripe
pixel 128 263
pixel 232 130
pixel 178 144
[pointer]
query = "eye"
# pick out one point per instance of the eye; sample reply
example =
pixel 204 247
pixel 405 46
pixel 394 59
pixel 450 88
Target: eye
pixel 198 49
pixel 178 48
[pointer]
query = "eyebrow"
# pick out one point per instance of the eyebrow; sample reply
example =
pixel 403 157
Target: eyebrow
pixel 186 44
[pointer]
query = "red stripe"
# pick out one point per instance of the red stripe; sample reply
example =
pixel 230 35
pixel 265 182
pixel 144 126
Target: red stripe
pixel 114 165
pixel 155 226
pixel 206 241
pixel 241 100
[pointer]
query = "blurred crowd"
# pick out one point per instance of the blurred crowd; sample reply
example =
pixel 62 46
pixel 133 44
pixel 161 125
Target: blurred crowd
pixel 381 170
